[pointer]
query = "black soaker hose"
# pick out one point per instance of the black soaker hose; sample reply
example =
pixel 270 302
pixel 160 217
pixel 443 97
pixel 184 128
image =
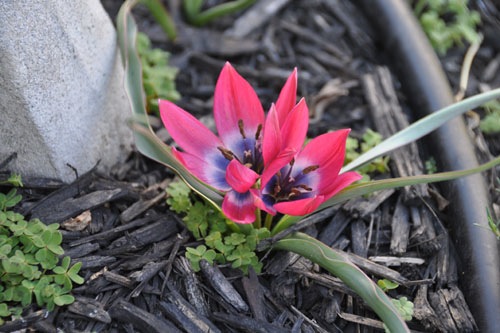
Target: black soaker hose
pixel 428 90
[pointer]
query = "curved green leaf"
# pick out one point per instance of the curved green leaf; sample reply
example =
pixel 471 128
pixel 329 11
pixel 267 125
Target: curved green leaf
pixel 146 141
pixel 195 16
pixel 422 127
pixel 337 264
pixel 161 15
pixel 358 190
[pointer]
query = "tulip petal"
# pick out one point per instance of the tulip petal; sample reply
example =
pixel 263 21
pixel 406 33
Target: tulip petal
pixel 277 164
pixel 234 101
pixel 329 189
pixel 240 177
pixel 260 203
pixel 294 129
pixel 287 97
pixel 214 174
pixel 299 207
pixel 239 207
pixel 326 151
pixel 271 136
pixel 187 131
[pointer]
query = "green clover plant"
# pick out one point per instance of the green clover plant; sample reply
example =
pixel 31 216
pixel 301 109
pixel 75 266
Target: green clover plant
pixel 280 187
pixel 31 267
pixel 447 23
pixel 222 242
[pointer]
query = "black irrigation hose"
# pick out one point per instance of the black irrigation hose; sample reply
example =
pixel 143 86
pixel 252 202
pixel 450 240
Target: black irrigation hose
pixel 426 85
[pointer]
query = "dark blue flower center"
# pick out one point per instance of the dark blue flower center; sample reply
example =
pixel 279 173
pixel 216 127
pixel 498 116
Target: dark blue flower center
pixel 288 185
pixel 248 150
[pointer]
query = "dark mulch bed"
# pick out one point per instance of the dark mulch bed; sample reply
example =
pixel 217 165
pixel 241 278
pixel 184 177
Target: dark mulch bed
pixel 132 251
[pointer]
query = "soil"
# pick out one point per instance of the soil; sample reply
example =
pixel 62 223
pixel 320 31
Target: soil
pixel 136 275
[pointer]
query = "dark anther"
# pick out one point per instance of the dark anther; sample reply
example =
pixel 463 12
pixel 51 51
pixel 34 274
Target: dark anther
pixel 310 169
pixel 257 134
pixel 305 187
pixel 226 153
pixel 242 130
pixel 294 192
pixel 277 189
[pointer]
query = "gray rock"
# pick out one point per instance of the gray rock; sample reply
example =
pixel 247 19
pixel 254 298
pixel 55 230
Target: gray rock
pixel 61 88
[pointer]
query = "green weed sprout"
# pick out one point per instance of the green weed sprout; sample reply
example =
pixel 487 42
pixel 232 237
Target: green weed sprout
pixel 158 77
pixel 490 124
pixel 447 23
pixel 195 15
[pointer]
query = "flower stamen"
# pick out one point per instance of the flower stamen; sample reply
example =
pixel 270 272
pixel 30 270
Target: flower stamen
pixel 242 129
pixel 309 169
pixel 229 155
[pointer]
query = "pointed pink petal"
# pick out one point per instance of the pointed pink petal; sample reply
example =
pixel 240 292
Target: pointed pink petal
pixel 205 171
pixel 299 207
pixel 326 151
pixel 239 207
pixel 187 131
pixel 288 97
pixel 277 163
pixel 329 189
pixel 271 136
pixel 235 100
pixel 240 177
pixel 259 203
pixel 294 129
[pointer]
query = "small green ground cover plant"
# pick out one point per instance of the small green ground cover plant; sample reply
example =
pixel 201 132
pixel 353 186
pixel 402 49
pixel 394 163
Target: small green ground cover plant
pixel 447 22
pixel 158 77
pixel 221 243
pixel 490 124
pixel 31 265
pixel 354 148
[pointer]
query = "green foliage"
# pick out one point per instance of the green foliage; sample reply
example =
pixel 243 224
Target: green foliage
pixel 222 245
pixel 30 262
pixel 158 77
pixel 355 147
pixel 386 285
pixel 195 16
pixel 405 307
pixel 494 226
pixel 447 22
pixel 430 165
pixel 14 180
pixel 490 124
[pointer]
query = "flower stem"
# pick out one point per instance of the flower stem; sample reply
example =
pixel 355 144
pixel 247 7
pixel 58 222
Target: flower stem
pixel 268 222
pixel 258 219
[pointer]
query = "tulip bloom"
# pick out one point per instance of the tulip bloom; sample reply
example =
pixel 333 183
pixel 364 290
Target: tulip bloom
pixel 234 161
pixel 252 150
pixel 310 178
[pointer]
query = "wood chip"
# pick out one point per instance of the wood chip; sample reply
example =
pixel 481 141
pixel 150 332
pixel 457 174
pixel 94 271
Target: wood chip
pixel 90 308
pixel 388 116
pixel 222 286
pixel 400 227
pixel 145 321
pixel 248 324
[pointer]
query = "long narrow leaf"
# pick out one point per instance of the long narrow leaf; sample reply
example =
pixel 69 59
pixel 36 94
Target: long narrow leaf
pixel 422 127
pixel 358 190
pixel 337 264
pixel 146 141
pixel 162 16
